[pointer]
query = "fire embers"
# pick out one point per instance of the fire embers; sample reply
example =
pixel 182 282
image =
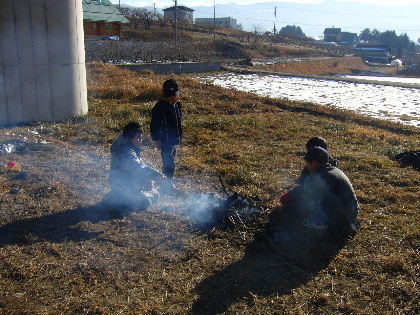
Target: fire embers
pixel 210 211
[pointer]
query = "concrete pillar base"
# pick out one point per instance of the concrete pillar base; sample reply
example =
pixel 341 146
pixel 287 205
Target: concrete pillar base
pixel 42 61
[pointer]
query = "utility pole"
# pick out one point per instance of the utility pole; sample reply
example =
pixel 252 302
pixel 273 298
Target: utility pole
pixel 119 4
pixel 154 10
pixel 214 20
pixel 275 17
pixel 176 28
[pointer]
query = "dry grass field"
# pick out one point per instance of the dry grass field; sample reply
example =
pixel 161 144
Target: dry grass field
pixel 331 66
pixel 61 254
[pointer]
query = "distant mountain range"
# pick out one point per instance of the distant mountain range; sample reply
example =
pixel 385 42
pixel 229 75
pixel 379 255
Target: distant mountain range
pixel 314 18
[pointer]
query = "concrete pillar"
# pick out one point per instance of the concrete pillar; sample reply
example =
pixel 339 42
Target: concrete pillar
pixel 42 61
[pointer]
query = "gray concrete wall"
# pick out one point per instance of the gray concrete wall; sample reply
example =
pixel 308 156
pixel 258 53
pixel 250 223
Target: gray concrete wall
pixel 165 68
pixel 42 61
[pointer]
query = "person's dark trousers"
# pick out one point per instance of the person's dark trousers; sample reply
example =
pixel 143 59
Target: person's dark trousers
pixel 168 153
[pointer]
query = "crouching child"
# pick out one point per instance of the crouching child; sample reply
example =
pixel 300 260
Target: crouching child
pixel 131 180
pixel 327 199
pixel 329 194
pixel 297 192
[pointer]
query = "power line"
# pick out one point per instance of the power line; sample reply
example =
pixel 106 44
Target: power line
pixel 345 13
pixel 299 23
pixel 329 12
pixel 304 24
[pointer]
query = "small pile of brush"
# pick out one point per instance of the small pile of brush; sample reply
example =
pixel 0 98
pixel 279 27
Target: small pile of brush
pixel 237 210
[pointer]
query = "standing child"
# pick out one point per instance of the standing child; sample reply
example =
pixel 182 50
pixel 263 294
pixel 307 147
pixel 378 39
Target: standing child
pixel 166 126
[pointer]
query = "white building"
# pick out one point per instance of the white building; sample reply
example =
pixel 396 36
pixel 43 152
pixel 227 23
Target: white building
pixel 224 22
pixel 182 13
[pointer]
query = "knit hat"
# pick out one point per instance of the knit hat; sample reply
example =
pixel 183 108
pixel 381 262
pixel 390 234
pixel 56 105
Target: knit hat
pixel 131 129
pixel 317 154
pixel 170 88
pixel 316 142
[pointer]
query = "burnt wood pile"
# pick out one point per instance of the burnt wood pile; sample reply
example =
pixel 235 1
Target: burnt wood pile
pixel 409 158
pixel 237 210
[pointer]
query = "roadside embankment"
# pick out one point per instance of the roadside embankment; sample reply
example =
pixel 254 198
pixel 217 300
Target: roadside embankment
pixel 175 67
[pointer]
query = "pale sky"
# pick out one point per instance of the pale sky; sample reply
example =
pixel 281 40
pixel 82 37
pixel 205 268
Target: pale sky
pixel 349 15
pixel 167 3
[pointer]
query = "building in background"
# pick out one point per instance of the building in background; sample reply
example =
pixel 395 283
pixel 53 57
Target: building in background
pixel 374 53
pixel 224 22
pixel 349 39
pixel 183 13
pixel 102 19
pixel 332 34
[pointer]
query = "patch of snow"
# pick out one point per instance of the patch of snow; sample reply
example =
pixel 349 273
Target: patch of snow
pixel 379 101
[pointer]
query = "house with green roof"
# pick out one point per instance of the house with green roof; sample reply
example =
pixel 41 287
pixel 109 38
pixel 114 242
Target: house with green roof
pixel 101 18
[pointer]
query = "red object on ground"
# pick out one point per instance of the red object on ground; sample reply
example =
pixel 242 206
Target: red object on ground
pixel 11 164
pixel 287 198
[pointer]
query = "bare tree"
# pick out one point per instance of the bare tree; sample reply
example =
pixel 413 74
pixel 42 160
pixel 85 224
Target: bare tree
pixel 258 32
pixel 258 29
pixel 140 16
pixel 164 22
pixel 147 17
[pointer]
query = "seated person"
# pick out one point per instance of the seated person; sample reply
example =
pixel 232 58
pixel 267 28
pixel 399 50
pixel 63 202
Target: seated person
pixel 293 195
pixel 131 180
pixel 328 196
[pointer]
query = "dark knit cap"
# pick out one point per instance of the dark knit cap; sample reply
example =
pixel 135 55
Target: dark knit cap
pixel 317 154
pixel 131 130
pixel 316 142
pixel 170 88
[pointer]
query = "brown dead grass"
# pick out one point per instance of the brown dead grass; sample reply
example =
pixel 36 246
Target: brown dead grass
pixel 58 258
pixel 198 43
pixel 329 66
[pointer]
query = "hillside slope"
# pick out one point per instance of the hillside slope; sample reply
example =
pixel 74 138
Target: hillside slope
pixel 61 254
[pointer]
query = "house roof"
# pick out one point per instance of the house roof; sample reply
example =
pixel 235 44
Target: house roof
pixel 335 31
pixel 373 47
pixel 180 7
pixel 348 37
pixel 102 11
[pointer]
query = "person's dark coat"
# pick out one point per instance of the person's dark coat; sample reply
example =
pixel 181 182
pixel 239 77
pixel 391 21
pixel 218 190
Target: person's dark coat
pixel 128 171
pixel 305 173
pixel 166 123
pixel 296 193
pixel 329 194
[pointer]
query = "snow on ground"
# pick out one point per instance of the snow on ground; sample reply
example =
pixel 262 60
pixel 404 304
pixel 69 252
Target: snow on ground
pixel 386 102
